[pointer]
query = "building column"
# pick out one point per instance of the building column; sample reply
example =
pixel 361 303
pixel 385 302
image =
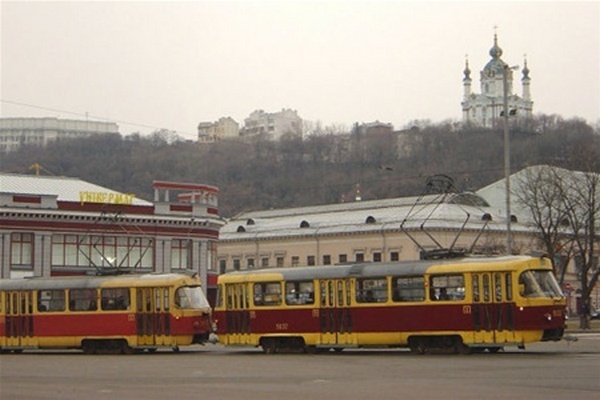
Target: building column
pixel 203 264
pixel 42 254
pixel 162 256
pixel 5 255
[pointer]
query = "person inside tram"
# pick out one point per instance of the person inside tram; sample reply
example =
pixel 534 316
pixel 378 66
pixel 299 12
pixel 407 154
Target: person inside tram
pixel 443 294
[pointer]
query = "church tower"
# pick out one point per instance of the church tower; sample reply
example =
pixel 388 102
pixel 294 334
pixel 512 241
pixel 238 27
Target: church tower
pixel 486 109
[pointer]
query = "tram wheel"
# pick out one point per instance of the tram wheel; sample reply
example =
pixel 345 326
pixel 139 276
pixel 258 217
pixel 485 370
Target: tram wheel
pixel 125 349
pixel 417 345
pixel 88 347
pixel 494 349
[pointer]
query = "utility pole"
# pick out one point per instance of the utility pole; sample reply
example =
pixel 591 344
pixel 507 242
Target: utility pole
pixel 507 159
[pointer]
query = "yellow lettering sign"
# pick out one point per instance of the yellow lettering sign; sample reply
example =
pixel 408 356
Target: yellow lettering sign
pixel 106 198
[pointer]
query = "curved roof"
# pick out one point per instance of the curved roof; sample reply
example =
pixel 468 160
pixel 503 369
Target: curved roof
pixel 449 212
pixel 64 188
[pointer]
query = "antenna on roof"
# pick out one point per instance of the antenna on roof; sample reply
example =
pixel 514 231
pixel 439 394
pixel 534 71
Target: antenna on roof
pixel 37 168
pixel 436 192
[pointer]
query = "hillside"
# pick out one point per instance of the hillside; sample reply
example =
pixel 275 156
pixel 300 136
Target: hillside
pixel 323 168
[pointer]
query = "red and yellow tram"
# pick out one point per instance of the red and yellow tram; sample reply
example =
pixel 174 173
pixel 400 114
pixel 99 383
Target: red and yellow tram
pixel 119 313
pixel 459 305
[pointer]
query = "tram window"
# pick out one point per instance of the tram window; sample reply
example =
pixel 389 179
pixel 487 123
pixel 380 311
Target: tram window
pixel 298 293
pixel 348 293
pixel 187 297
pixel 219 296
pixel 475 287
pixel 447 287
pixel 51 300
pixel 267 294
pixel 166 299
pixel 230 297
pixel 509 294
pixel 410 288
pixel 82 300
pixel 486 288
pixel 538 284
pixel 115 299
pixel 371 290
pixel 498 287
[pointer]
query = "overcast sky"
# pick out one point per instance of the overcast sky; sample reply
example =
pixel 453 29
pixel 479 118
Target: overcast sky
pixel 150 65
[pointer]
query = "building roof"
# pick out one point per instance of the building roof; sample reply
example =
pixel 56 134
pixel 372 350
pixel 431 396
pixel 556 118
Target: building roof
pixel 454 212
pixel 66 189
pixel 495 193
pixel 469 211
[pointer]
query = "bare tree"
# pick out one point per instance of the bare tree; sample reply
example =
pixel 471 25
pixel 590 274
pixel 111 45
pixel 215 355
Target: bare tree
pixel 565 208
pixel 538 192
pixel 582 204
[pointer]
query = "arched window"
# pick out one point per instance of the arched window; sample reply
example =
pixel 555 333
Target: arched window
pixel 304 224
pixel 370 220
pixel 250 221
pixel 241 229
pixel 486 217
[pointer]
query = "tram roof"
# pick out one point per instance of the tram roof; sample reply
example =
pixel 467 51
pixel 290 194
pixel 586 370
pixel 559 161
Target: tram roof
pixel 399 268
pixel 87 282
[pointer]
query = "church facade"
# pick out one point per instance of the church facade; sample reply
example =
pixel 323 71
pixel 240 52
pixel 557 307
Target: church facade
pixel 486 109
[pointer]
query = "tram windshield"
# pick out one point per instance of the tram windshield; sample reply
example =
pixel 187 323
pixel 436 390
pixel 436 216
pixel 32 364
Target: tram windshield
pixel 191 297
pixel 539 284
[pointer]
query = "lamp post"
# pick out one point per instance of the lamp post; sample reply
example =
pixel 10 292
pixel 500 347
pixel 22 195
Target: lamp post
pixel 507 158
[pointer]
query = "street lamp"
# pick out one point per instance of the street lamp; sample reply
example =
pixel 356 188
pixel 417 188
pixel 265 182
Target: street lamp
pixel 507 158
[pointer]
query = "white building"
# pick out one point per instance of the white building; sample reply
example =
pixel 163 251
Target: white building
pixel 486 109
pixel 15 132
pixel 275 125
pixel 224 128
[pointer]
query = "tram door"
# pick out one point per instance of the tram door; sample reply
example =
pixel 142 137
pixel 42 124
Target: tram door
pixel 493 308
pixel 19 319
pixel 238 314
pixel 335 314
pixel 153 316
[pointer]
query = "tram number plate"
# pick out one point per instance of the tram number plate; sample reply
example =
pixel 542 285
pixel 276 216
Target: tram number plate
pixel 281 326
pixel 557 313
